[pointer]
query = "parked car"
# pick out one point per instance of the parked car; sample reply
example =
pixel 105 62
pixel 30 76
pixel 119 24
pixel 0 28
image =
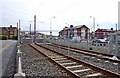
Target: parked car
pixel 99 41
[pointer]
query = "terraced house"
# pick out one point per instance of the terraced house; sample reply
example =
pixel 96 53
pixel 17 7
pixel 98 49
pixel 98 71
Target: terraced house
pixel 9 31
pixel 80 32
pixel 103 33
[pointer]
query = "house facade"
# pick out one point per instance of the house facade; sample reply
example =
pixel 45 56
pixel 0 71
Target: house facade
pixel 103 33
pixel 9 31
pixel 80 32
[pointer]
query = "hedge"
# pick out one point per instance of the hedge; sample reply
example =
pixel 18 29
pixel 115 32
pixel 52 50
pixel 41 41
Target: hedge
pixel 3 37
pixel 14 37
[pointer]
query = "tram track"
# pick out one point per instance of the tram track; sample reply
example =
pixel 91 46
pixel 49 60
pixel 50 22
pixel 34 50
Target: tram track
pixel 76 67
pixel 89 53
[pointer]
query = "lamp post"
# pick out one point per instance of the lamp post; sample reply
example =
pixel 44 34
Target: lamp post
pixel 93 25
pixel 68 39
pixel 30 30
pixel 34 29
pixel 51 26
pixel 18 33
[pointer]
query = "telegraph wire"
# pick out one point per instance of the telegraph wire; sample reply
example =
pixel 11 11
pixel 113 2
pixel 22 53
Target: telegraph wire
pixel 39 6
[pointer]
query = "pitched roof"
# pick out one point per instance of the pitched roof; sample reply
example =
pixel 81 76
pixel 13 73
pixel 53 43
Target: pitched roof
pixel 78 26
pixel 105 30
pixel 8 27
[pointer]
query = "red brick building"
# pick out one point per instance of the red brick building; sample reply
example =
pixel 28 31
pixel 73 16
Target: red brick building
pixel 9 31
pixel 103 33
pixel 80 32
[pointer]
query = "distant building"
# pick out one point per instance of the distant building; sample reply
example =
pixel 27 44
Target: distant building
pixel 103 33
pixel 80 32
pixel 9 31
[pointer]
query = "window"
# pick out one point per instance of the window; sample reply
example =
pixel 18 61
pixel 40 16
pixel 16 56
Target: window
pixel 4 32
pixel 11 32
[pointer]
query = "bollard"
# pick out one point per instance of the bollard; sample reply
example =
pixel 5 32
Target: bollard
pixel 18 47
pixel 19 53
pixel 19 73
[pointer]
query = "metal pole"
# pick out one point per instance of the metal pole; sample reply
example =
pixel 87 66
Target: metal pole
pixel 30 30
pixel 34 29
pixel 94 26
pixel 68 42
pixel 50 28
pixel 116 27
pixel 19 33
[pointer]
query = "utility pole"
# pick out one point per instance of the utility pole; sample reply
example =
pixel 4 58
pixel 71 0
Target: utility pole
pixel 30 30
pixel 68 42
pixel 34 29
pixel 51 26
pixel 116 27
pixel 18 33
pixel 93 25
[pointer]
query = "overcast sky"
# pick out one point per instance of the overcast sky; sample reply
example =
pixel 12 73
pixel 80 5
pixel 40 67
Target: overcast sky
pixel 75 12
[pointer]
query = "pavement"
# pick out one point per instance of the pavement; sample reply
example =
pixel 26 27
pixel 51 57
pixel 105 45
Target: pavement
pixel 8 50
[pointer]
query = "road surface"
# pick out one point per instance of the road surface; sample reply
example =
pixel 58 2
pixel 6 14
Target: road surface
pixel 8 49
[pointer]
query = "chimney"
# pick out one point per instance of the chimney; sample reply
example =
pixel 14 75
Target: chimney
pixel 71 26
pixel 10 26
pixel 111 28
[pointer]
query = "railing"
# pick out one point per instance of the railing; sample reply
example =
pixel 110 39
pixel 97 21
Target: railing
pixel 101 47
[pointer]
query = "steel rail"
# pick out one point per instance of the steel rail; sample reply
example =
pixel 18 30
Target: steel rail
pixel 101 70
pixel 86 52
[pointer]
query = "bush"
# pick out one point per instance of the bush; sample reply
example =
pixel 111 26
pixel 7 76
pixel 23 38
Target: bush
pixel 3 37
pixel 14 37
pixel 26 35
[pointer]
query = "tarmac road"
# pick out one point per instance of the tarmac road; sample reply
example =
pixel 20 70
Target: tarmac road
pixel 8 50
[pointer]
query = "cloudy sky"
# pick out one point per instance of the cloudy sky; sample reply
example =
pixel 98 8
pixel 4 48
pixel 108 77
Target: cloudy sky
pixel 75 12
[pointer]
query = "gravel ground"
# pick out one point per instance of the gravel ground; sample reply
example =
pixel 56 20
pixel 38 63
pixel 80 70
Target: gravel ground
pixel 35 64
pixel 100 63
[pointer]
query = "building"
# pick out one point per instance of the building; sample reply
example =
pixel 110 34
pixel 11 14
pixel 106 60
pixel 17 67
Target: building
pixel 80 32
pixel 9 31
pixel 103 33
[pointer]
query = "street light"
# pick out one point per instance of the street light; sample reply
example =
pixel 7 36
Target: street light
pixel 18 24
pixel 93 24
pixel 68 39
pixel 51 24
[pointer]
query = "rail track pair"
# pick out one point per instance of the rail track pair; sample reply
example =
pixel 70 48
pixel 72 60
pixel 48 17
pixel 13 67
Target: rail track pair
pixel 76 67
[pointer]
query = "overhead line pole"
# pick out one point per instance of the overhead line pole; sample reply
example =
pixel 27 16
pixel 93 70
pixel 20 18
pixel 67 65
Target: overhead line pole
pixel 34 29
pixel 30 30
pixel 18 33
